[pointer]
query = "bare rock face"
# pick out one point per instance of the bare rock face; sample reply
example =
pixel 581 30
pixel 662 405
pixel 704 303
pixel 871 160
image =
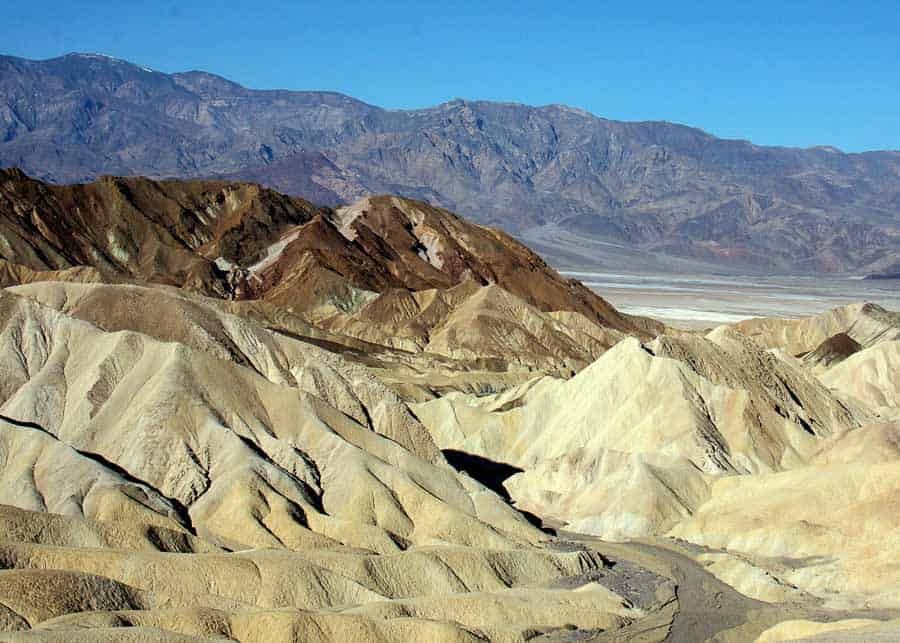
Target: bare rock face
pixel 826 527
pixel 194 472
pixel 835 349
pixel 165 232
pixel 782 473
pixel 387 242
pixel 849 630
pixel 201 435
pixel 869 376
pixel 159 375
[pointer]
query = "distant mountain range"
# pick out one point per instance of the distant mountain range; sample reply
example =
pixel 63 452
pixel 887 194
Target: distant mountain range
pixel 581 189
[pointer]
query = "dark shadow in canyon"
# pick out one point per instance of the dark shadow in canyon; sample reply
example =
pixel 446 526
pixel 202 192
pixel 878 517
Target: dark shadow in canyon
pixel 492 475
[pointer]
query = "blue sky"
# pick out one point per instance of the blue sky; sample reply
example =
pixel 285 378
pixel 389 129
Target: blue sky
pixel 778 73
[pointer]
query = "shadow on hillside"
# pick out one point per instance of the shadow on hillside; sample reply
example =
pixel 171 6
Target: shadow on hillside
pixel 492 475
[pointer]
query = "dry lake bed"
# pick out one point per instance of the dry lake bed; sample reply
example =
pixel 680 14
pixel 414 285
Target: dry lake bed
pixel 697 301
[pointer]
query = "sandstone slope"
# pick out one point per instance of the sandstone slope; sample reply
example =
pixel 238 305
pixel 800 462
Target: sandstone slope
pixel 196 473
pixel 866 324
pixel 630 444
pixel 784 481
pixel 869 376
pixel 208 430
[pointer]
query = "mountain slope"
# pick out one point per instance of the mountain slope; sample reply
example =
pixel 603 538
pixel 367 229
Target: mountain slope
pixel 387 281
pixel 544 173
pixel 866 324
pixel 207 431
pixel 242 241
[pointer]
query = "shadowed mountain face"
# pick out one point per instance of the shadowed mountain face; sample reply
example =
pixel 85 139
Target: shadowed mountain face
pixel 558 177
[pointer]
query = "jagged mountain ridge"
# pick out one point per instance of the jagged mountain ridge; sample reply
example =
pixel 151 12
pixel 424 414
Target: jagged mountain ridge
pixel 541 172
pixel 242 241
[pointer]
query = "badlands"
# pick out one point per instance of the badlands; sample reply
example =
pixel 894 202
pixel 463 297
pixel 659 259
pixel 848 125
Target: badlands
pixel 229 414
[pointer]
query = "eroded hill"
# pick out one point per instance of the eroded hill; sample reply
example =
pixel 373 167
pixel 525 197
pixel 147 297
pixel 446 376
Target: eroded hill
pixel 229 414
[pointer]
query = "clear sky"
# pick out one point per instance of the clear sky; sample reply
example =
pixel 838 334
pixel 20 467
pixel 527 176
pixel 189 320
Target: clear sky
pixel 778 73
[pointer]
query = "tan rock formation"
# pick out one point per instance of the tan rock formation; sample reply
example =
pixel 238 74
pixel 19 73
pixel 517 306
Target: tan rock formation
pixel 871 376
pixel 866 324
pixel 630 445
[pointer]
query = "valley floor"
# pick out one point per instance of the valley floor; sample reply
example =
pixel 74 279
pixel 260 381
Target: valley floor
pixel 703 608
pixel 694 300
